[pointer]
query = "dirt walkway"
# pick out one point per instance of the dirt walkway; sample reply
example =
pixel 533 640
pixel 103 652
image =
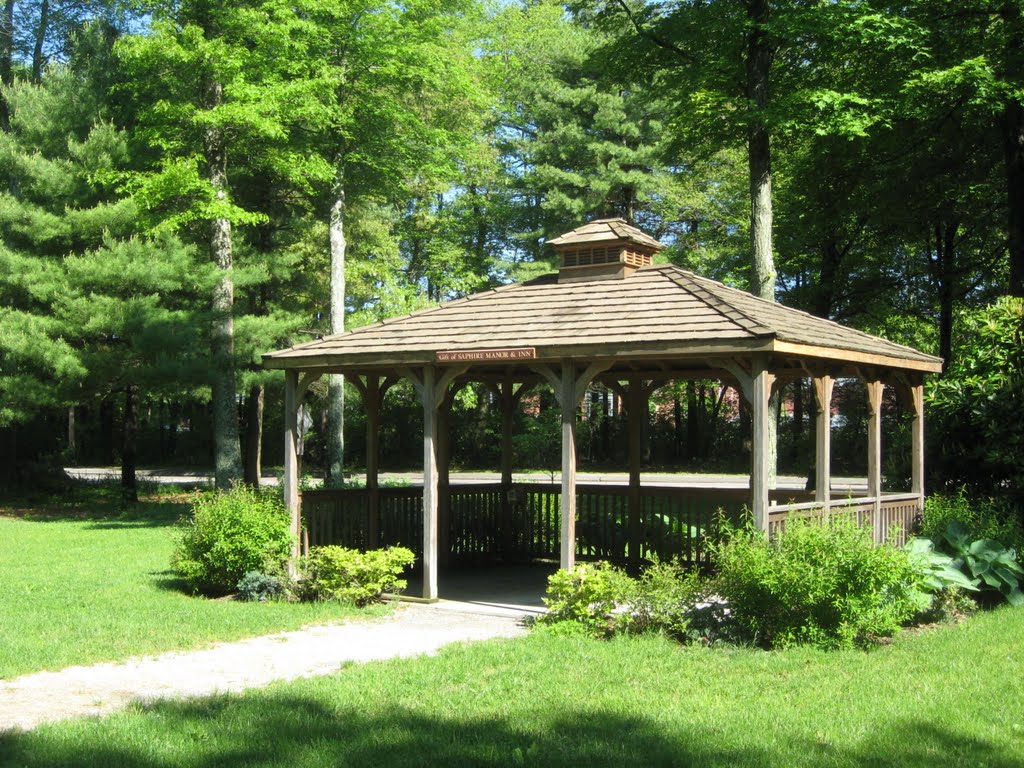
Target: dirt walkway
pixel 411 630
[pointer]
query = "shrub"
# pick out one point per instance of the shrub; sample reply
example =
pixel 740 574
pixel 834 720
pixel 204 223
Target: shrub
pixel 664 599
pixel 260 587
pixel 983 518
pixel 820 582
pixel 351 576
pixel 229 534
pixel 593 595
pixel 603 600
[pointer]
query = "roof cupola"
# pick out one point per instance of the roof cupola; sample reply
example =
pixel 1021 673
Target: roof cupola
pixel 601 249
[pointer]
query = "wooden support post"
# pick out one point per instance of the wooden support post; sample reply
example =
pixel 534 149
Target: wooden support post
pixel 291 459
pixel 823 439
pixel 372 397
pixel 568 401
pixel 917 443
pixel 506 402
pixel 874 392
pixel 444 496
pixel 760 471
pixel 428 395
pixel 637 410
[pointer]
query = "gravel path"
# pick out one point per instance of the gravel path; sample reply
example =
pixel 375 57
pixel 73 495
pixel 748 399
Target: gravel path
pixel 411 630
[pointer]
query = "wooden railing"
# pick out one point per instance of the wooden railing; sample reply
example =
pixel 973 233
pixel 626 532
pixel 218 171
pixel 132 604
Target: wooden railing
pixel 485 521
pixel 524 522
pixel 898 514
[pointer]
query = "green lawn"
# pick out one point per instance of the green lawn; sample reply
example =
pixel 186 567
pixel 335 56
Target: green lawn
pixel 948 697
pixel 82 581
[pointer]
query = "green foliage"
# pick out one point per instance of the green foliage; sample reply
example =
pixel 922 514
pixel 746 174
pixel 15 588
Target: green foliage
pixel 988 562
pixel 592 595
pixel 259 587
pixel 984 518
pixel 665 598
pixel 600 600
pixel 976 410
pixel 939 590
pixel 229 534
pixel 351 576
pixel 936 570
pixel 823 583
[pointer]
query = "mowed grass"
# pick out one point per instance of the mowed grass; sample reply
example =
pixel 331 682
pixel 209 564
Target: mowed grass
pixel 83 579
pixel 947 697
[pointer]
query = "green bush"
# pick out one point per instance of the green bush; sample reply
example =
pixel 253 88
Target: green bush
pixel 229 534
pixel 822 583
pixel 592 595
pixel 351 576
pixel 602 600
pixel 665 598
pixel 984 518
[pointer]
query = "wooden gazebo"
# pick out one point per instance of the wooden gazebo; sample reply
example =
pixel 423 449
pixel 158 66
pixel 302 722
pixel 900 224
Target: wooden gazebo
pixel 607 316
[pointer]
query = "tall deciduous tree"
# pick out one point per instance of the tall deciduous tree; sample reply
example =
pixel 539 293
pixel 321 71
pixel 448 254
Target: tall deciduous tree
pixel 397 104
pixel 213 84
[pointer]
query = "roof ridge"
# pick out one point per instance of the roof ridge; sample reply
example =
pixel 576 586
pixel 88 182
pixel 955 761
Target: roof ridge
pixel 812 316
pixel 717 303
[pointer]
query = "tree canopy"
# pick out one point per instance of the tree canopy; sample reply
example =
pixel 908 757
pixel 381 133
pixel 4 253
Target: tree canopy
pixel 184 185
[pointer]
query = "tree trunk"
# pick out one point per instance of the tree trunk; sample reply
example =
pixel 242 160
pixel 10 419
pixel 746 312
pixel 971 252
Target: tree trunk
pixel 759 62
pixel 106 456
pixel 693 423
pixel 1013 133
pixel 336 383
pixel 254 435
pixel 37 48
pixel 825 290
pixel 72 437
pixel 6 62
pixel 947 276
pixel 129 444
pixel 1013 143
pixel 798 419
pixel 759 59
pixel 227 451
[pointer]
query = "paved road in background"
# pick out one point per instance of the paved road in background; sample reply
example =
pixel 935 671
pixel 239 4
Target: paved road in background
pixel 184 478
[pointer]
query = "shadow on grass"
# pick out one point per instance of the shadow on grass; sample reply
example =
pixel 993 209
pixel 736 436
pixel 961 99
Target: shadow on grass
pixel 170 581
pixel 99 503
pixel 293 731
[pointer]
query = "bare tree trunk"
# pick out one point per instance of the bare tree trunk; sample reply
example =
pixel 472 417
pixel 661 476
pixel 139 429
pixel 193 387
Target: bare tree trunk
pixel 129 444
pixel 693 423
pixel 37 49
pixel 759 62
pixel 106 432
pixel 336 383
pixel 254 435
pixel 72 438
pixel 1013 143
pixel 759 59
pixel 6 62
pixel 948 279
pixel 227 451
pixel 1013 132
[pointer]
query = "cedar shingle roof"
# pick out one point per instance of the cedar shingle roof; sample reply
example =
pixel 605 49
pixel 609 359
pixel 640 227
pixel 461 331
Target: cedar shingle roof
pixel 659 309
pixel 606 230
